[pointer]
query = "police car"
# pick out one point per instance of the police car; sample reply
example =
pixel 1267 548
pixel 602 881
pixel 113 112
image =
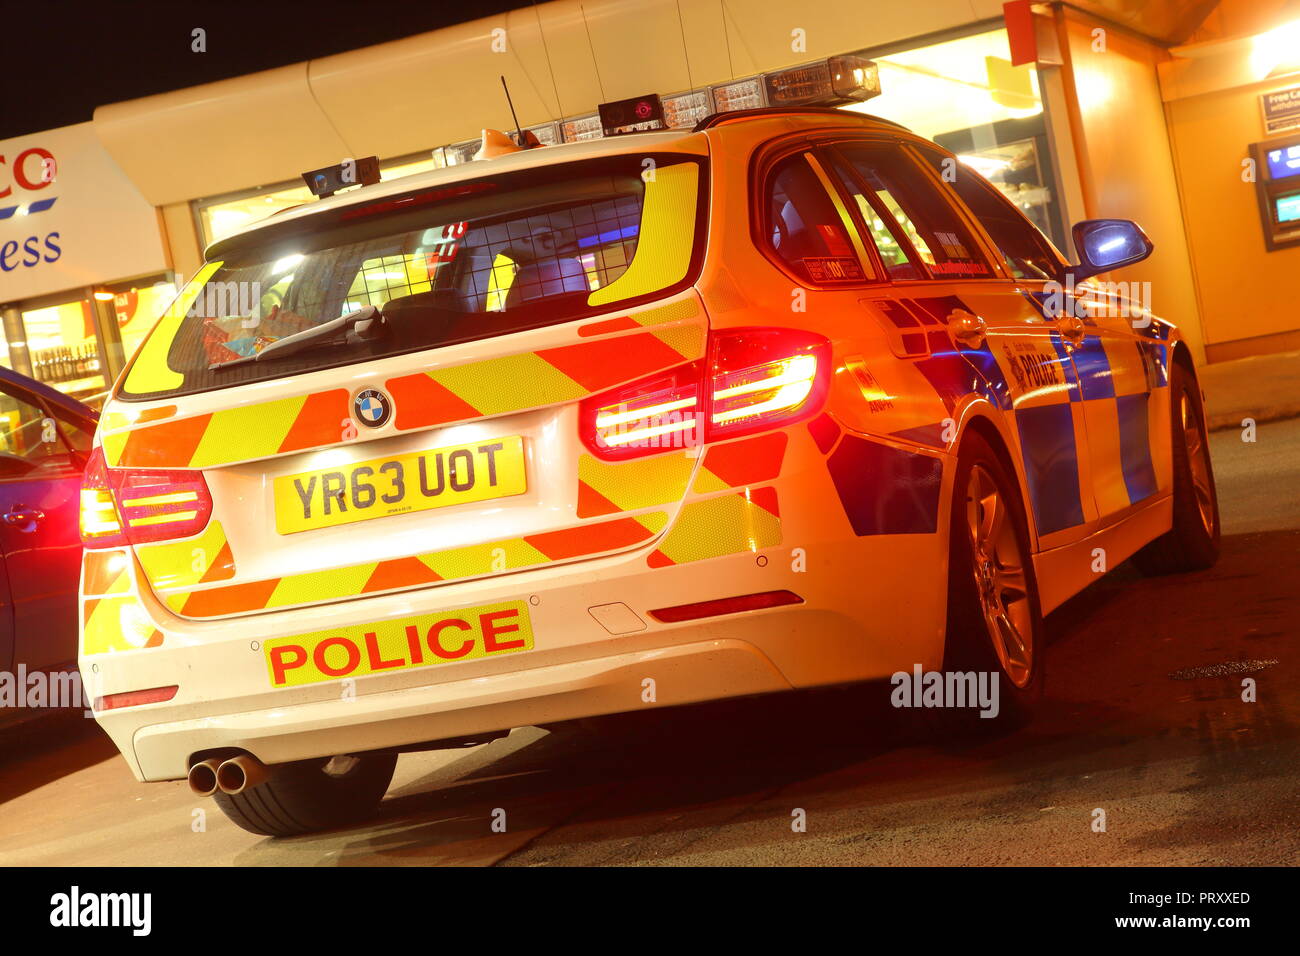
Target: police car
pixel 790 399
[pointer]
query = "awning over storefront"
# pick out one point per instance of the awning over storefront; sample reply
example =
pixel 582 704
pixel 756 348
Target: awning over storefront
pixel 405 96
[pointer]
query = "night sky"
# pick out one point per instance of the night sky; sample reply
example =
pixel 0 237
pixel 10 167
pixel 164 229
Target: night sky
pixel 61 59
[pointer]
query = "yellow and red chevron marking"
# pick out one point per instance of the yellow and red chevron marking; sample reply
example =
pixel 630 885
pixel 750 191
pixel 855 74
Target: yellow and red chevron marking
pixel 512 383
pixel 728 524
pixel 105 572
pixel 673 312
pixel 610 487
pixel 509 554
pixel 233 434
pixel 201 560
pixel 739 463
pixel 116 624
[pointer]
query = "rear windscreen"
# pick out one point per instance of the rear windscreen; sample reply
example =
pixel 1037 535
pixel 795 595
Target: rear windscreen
pixel 448 264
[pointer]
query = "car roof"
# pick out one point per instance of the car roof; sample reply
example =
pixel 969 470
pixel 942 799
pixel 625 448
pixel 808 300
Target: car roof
pixel 670 140
pixel 12 379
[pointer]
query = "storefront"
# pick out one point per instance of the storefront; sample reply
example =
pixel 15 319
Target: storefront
pixel 1232 96
pixel 83 265
pixel 961 91
pixel 1074 111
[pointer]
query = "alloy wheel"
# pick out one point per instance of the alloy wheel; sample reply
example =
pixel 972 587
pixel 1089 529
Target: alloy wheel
pixel 1000 576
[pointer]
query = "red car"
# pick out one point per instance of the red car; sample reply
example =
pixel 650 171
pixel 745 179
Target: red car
pixel 45 437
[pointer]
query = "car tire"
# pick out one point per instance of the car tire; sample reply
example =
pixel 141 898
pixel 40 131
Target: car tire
pixel 311 795
pixel 995 622
pixel 1192 544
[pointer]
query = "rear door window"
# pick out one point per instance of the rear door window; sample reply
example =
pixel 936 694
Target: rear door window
pixel 31 443
pixel 804 229
pixel 896 252
pixel 1026 252
pixel 912 209
pixel 467 261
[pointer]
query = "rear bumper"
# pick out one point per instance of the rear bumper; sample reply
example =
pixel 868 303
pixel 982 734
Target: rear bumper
pixel 867 613
pixel 702 670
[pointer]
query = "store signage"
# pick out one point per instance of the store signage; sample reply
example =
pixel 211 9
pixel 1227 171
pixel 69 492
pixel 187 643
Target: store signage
pixel 1281 110
pixel 69 217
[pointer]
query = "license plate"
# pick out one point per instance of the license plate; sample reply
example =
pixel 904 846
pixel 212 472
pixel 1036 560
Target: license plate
pixel 418 481
pixel 400 644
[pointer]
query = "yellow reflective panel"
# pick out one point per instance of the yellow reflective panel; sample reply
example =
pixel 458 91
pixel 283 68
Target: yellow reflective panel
pixel 151 373
pixel 666 238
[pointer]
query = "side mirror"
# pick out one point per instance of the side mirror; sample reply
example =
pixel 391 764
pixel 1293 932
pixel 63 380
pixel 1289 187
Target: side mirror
pixel 1105 244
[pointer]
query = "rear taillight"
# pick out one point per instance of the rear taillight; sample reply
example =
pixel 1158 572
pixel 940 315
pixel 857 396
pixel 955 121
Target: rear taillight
pixel 654 414
pixel 100 526
pixel 753 380
pixel 121 506
pixel 765 378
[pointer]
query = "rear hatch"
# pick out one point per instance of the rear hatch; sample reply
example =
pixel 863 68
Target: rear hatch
pixel 418 388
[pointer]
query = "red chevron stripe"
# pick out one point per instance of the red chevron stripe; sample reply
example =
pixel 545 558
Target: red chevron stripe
pixel 598 365
pixel 591 503
pixel 320 421
pixel 589 539
pixel 419 401
pixel 169 445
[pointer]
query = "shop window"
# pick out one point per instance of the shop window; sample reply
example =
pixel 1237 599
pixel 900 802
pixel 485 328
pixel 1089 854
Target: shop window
pixel 137 308
pixel 1024 250
pixel 63 349
pixel 803 227
pixel 918 212
pixel 966 95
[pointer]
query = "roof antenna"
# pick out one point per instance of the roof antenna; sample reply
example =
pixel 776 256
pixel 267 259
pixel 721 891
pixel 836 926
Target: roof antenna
pixel 519 137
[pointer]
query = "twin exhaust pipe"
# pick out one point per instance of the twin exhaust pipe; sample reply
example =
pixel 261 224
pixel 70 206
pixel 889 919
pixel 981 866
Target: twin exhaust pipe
pixel 229 776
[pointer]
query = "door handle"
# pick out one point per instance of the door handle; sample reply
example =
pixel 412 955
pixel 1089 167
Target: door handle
pixel 967 328
pixel 21 515
pixel 1072 329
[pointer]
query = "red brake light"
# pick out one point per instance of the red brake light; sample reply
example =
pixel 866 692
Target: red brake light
pixel 100 525
pixel 121 506
pixel 754 379
pixel 663 411
pixel 766 378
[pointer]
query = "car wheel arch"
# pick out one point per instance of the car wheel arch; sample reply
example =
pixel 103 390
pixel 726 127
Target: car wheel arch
pixel 987 428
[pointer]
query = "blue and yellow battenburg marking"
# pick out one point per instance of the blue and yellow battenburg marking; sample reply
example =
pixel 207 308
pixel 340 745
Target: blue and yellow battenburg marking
pixel 1100 391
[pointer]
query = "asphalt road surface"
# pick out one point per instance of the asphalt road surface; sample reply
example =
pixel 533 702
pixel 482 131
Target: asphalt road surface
pixel 1143 720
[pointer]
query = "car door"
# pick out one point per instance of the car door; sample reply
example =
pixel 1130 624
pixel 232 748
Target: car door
pixel 1122 372
pixel 1117 367
pixel 976 315
pixel 40 481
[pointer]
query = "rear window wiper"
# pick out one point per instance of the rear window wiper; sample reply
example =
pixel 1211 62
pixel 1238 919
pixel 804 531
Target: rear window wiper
pixel 327 333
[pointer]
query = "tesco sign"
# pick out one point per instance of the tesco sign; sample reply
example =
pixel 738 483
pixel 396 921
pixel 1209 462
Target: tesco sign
pixel 70 218
pixel 34 249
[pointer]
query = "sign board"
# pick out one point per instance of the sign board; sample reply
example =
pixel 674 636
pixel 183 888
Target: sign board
pixel 1281 110
pixel 69 217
